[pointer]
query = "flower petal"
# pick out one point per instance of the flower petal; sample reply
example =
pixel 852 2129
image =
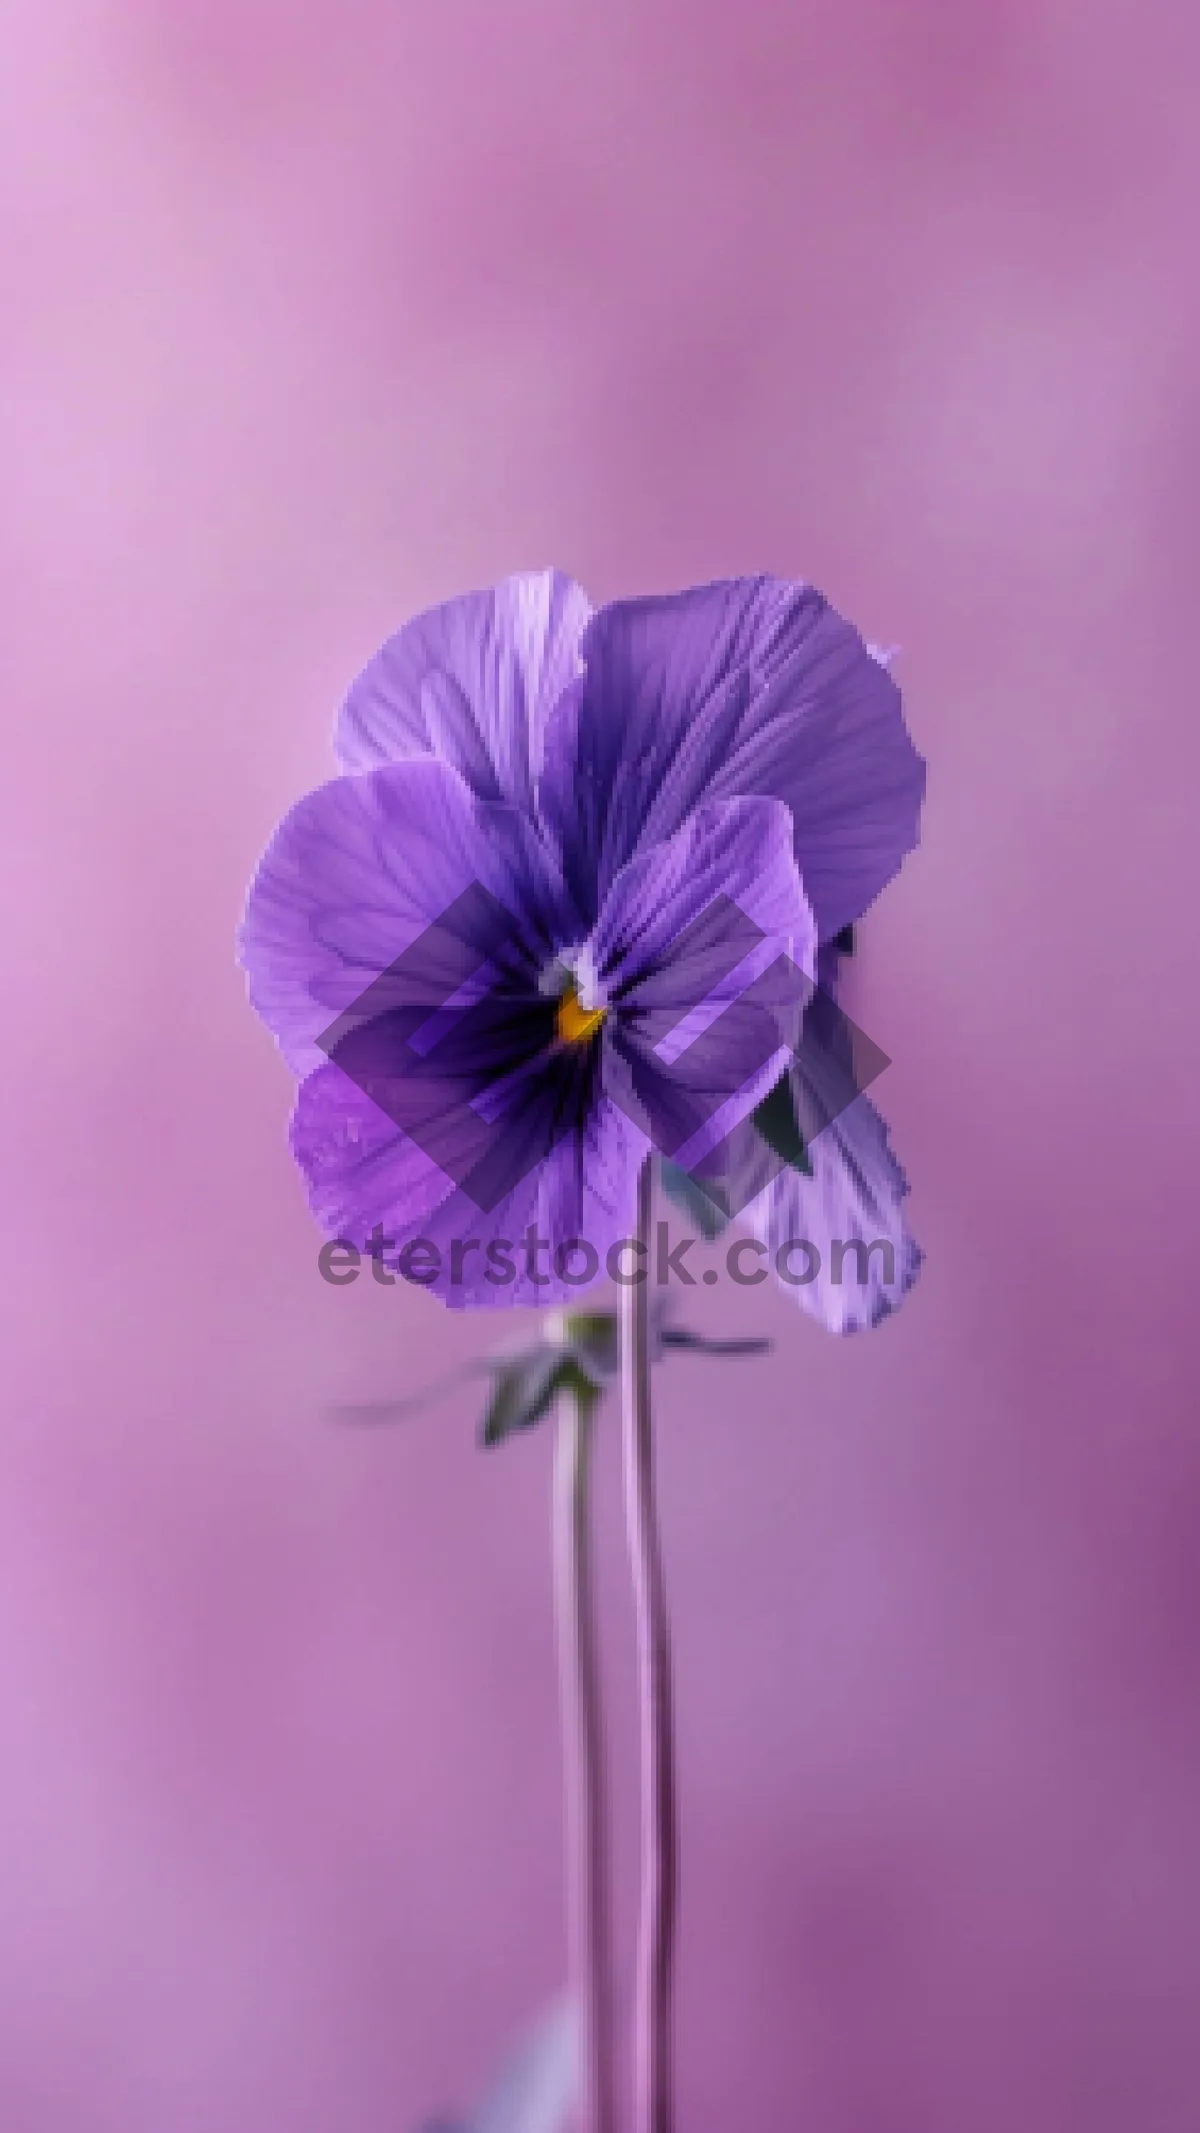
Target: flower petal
pixel 360 1169
pixel 360 869
pixel 751 685
pixel 473 682
pixel 363 1172
pixel 707 946
pixel 730 852
pixel 863 1260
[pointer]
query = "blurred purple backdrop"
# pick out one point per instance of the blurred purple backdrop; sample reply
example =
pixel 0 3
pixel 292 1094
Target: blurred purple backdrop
pixel 320 313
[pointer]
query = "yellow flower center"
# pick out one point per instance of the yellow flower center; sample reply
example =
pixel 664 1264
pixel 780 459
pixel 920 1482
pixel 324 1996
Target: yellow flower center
pixel 574 1024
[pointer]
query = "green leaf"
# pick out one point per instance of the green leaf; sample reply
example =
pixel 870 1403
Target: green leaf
pixel 525 1387
pixel 594 1337
pixel 775 1119
pixel 701 1204
pixel 747 1344
pixel 374 1411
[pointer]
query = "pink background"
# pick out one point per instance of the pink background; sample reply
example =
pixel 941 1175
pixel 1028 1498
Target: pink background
pixel 320 312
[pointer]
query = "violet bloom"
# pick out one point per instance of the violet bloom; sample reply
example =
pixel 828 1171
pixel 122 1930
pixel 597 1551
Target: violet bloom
pixel 603 782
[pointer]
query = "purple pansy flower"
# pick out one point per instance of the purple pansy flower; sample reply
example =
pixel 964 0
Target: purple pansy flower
pixel 603 780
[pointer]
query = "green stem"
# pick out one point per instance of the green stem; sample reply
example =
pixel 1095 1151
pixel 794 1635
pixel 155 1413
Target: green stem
pixel 583 1769
pixel 653 2105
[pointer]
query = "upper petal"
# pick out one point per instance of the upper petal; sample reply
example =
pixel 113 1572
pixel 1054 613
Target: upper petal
pixel 473 682
pixel 360 869
pixel 750 685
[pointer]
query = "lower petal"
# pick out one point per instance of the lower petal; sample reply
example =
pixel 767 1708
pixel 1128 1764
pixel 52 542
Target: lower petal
pixel 547 1239
pixel 838 1240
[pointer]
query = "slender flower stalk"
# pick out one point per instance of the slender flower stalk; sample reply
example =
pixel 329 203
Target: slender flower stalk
pixel 652 2097
pixel 583 1765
